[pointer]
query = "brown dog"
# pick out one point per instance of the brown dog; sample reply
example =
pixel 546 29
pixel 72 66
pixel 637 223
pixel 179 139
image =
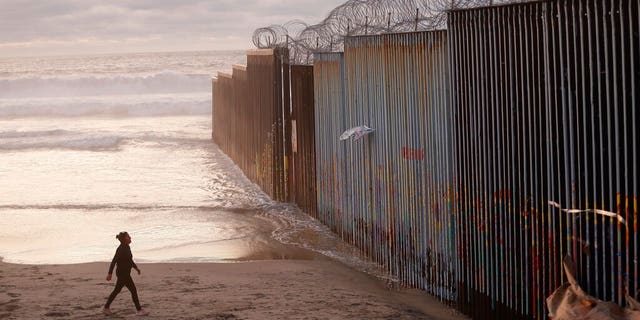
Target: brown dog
pixel 570 302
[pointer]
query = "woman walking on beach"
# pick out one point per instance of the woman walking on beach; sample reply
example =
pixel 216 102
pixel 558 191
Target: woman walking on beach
pixel 124 260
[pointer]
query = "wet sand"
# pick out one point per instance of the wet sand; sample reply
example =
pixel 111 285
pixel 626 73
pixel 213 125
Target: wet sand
pixel 268 289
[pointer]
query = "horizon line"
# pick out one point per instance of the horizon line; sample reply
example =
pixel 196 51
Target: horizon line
pixel 70 55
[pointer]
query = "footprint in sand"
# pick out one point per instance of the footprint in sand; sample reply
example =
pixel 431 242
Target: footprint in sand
pixel 81 279
pixel 9 306
pixel 189 279
pixel 221 316
pixel 57 314
pixel 167 282
pixel 259 295
pixel 4 287
pixel 35 270
pixel 91 307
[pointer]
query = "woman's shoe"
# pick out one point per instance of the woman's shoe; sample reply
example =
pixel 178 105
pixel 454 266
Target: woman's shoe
pixel 142 313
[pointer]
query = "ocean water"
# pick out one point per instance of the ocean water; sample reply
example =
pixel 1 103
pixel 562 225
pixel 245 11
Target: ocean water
pixel 94 145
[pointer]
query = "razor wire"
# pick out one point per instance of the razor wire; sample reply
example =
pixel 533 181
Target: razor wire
pixel 360 17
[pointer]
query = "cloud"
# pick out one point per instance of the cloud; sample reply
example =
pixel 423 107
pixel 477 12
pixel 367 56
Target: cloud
pixel 86 26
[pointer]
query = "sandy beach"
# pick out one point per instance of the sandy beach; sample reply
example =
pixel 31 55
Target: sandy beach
pixel 269 289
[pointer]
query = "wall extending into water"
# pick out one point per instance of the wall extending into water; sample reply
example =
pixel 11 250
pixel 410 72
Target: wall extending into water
pixel 500 146
pixel 249 116
pixel 262 118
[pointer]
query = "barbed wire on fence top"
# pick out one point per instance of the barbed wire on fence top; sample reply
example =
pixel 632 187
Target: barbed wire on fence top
pixel 360 17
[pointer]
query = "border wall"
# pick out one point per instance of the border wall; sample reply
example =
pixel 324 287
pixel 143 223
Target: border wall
pixel 332 181
pixel 545 102
pixel 385 186
pixel 303 169
pixel 390 193
pixel 516 149
pixel 249 116
pixel 501 146
pixel 498 76
pixel 265 123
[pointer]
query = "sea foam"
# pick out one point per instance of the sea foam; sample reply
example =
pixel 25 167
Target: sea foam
pixel 117 105
pixel 103 85
pixel 58 139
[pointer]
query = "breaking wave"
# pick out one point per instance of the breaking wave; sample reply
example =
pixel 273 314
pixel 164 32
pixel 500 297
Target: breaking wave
pixel 122 105
pixel 74 86
pixel 58 139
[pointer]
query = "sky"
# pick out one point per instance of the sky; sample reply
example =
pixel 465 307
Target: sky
pixel 64 27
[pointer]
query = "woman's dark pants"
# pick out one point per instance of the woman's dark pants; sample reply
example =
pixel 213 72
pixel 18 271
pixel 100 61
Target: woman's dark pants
pixel 124 281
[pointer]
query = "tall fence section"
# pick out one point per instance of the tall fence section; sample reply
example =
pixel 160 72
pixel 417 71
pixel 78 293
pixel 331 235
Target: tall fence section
pixel 383 192
pixel 263 119
pixel 249 116
pixel 508 234
pixel 303 169
pixel 545 101
pixel 500 146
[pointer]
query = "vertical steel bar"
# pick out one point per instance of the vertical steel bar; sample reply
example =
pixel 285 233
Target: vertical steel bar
pixel 576 162
pixel 581 134
pixel 539 279
pixel 465 182
pixel 494 163
pixel 568 120
pixel 474 105
pixel 511 187
pixel 466 163
pixel 549 226
pixel 615 14
pixel 582 14
pixel 524 38
pixel 635 41
pixel 423 75
pixel 602 89
pixel 610 190
pixel 480 187
pixel 481 119
pixel 594 88
pixel 625 108
pixel 469 163
pixel 512 201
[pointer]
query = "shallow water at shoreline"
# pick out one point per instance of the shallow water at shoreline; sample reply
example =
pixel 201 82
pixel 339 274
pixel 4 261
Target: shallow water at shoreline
pixel 174 191
pixel 162 180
